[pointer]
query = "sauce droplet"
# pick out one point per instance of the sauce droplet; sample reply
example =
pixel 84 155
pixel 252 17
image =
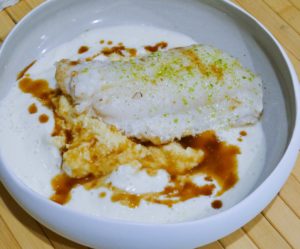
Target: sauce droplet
pixel 102 42
pixel 43 118
pixel 243 133
pixel 37 88
pixel 109 42
pixel 32 108
pixel 156 47
pixel 132 52
pixel 83 49
pixel 217 204
pixel 102 194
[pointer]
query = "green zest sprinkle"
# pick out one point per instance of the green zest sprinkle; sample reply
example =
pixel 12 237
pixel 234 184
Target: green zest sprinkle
pixel 184 101
pixel 191 90
pixel 175 120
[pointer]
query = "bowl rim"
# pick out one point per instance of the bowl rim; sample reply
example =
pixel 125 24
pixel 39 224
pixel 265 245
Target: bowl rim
pixel 286 160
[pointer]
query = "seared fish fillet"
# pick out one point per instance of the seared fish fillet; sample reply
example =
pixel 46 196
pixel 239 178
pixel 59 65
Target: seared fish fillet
pixel 165 95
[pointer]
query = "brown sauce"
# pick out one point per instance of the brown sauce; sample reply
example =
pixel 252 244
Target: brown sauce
pixel 23 72
pixel 126 199
pixel 43 118
pixel 119 50
pixel 204 69
pixel 183 192
pixel 243 133
pixel 217 71
pixel 196 61
pixel 113 50
pixel 83 49
pixel 220 160
pixel 109 42
pixel 220 164
pixel 132 52
pixel 37 88
pixel 156 47
pixel 102 194
pixel 240 139
pixel 74 63
pixel 174 193
pixel 63 184
pixel 102 42
pixel 217 204
pixel 32 108
pixel 208 178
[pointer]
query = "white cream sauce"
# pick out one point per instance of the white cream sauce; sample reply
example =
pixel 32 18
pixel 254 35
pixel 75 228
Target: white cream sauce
pixel 26 147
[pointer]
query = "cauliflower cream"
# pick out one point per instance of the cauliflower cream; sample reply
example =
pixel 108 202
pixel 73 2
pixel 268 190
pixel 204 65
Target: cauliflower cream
pixel 69 147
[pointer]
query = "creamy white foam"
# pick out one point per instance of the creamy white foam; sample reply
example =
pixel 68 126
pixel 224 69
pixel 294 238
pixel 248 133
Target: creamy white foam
pixel 27 149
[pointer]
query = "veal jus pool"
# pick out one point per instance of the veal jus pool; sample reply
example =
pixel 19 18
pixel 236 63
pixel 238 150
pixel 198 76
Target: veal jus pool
pixel 26 142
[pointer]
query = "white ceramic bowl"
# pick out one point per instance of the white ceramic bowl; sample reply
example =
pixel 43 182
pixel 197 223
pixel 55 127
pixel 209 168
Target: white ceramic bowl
pixel 215 22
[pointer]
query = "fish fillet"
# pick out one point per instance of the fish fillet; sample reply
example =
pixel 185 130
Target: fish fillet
pixel 165 95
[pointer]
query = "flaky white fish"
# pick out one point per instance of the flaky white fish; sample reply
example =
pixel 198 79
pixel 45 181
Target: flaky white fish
pixel 167 94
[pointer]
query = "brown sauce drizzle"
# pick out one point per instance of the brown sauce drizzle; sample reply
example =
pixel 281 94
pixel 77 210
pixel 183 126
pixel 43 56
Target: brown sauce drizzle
pixel 217 204
pixel 204 69
pixel 156 47
pixel 220 159
pixel 102 42
pixel 113 50
pixel 32 108
pixel 174 193
pixel 43 118
pixel 83 49
pixel 37 88
pixel 109 42
pixel 220 164
pixel 23 72
pixel 62 184
pixel 126 199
